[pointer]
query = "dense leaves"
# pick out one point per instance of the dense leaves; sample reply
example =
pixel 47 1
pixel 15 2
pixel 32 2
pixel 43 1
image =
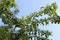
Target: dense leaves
pixel 28 26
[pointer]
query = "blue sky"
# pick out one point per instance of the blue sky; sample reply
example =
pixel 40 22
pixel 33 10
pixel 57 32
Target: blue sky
pixel 28 6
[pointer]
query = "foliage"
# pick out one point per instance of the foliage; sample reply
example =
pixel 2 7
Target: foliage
pixel 28 25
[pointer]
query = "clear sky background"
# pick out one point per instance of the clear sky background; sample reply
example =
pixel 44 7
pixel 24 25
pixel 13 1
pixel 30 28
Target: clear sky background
pixel 28 6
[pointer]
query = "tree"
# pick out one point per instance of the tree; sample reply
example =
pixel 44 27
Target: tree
pixel 28 25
